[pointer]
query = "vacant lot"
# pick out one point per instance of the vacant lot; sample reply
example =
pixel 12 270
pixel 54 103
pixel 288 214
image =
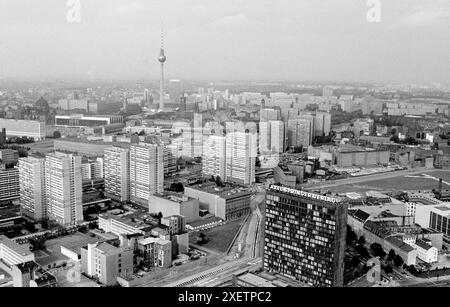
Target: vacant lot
pixel 219 238
pixel 401 182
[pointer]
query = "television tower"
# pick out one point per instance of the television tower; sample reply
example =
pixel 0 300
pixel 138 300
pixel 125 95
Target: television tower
pixel 162 59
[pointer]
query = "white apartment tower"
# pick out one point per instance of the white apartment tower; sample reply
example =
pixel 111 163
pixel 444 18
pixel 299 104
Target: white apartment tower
pixel 271 136
pixel 146 171
pixel 213 160
pixel 300 132
pixel 33 201
pixel 117 173
pixel 241 152
pixel 63 184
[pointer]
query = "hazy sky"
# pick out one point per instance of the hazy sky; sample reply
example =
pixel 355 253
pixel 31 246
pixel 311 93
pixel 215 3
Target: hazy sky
pixel 228 39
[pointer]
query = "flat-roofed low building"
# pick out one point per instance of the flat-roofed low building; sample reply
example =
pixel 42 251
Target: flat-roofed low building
pixel 110 223
pixel 251 280
pixel 87 121
pixel 174 204
pixel 284 176
pixel 440 218
pixel 20 128
pixel 12 253
pixel 107 262
pixel 84 147
pixel 436 217
pixel 228 203
pixel 362 157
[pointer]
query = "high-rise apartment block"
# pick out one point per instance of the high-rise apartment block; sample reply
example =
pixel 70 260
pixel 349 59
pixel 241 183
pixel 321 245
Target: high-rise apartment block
pixel 117 173
pixel 300 132
pixel 241 152
pixel 305 236
pixel 33 200
pixel 271 136
pixel 64 188
pixel 9 183
pixel 213 161
pixel 146 171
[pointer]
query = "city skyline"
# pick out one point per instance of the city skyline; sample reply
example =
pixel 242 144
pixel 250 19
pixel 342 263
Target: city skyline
pixel 225 41
pixel 224 144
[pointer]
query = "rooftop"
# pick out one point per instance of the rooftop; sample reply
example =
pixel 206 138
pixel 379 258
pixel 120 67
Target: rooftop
pixel 20 249
pixel 229 191
pixel 422 244
pixel 359 214
pixel 400 244
pixel 255 280
pixel 152 240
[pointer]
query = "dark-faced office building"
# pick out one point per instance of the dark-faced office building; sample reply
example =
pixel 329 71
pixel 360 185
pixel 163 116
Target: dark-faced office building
pixel 305 236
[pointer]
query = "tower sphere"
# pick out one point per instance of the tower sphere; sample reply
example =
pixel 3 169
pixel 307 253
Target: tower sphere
pixel 162 58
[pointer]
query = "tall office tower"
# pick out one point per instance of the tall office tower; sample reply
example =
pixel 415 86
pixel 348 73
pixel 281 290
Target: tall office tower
pixel 305 236
pixel 33 201
pixel 241 152
pixel 213 159
pixel 116 163
pixel 271 136
pixel 146 171
pixel 146 96
pixel 63 185
pixel 300 132
pixel 277 136
pixel 322 124
pixel 264 137
pixel 326 123
pixel 327 92
pixel 162 59
pixel 198 135
pixel 170 161
pixel 183 101
pixel 269 114
pixel 3 136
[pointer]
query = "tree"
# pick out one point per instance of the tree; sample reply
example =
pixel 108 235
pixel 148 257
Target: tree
pixel 351 235
pixel 388 269
pixel 412 269
pixel 398 261
pixel 201 238
pixel 355 261
pixel 362 251
pixel 177 187
pixel 56 135
pixel 362 240
pixel 377 250
pixel 219 181
pixel 391 255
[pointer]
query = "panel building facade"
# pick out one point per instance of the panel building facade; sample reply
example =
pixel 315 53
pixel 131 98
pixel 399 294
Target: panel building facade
pixel 305 236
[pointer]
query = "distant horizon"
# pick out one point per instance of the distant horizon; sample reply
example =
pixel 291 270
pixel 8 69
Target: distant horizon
pixel 205 80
